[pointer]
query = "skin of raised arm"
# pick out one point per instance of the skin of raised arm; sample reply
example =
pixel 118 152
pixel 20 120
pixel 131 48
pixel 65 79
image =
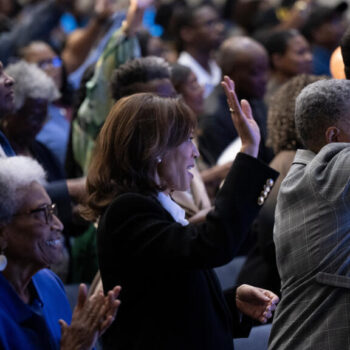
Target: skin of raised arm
pixel 243 120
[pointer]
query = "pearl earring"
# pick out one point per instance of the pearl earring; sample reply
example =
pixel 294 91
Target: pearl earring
pixel 159 159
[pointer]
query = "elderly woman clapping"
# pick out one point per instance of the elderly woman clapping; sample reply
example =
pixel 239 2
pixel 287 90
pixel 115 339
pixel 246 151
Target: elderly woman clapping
pixel 34 311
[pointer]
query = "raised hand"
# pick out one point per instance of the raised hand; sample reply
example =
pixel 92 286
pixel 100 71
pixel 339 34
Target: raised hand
pixel 243 120
pixel 255 302
pixel 135 15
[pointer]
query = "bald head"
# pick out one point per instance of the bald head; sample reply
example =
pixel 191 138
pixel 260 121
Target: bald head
pixel 246 62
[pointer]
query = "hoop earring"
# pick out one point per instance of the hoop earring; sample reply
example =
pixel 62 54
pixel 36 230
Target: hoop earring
pixel 3 261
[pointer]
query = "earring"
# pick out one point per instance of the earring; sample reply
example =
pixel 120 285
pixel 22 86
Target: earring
pixel 3 261
pixel 159 159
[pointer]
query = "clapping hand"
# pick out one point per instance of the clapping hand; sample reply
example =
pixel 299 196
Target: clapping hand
pixel 256 303
pixel 243 120
pixel 91 318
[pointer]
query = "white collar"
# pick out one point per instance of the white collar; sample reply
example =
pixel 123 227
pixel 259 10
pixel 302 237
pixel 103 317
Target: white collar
pixel 172 208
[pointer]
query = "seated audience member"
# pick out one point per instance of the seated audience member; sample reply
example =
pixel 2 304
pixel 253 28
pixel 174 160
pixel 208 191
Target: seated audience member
pixel 260 266
pixel 35 313
pixel 311 232
pixel 55 132
pixel 245 61
pixel 6 106
pixel 198 33
pixel 121 47
pixel 171 298
pixel 289 55
pixel 32 93
pixel 324 29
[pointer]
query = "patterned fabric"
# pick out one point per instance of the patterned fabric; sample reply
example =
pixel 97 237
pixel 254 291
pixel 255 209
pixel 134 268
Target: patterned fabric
pixel 98 102
pixel 311 235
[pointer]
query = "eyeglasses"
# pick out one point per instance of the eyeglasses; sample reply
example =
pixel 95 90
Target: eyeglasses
pixel 49 211
pixel 55 62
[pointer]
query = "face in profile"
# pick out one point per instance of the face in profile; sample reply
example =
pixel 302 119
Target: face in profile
pixel 193 94
pixel 34 236
pixel 175 166
pixel 26 123
pixel 6 92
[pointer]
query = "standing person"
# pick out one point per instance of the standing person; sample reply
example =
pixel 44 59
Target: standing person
pixel 198 33
pixel 171 298
pixel 312 223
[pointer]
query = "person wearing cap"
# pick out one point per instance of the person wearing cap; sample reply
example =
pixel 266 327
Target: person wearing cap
pixel 324 28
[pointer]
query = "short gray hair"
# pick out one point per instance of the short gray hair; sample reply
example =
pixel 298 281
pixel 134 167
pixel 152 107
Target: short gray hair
pixel 318 106
pixel 16 173
pixel 31 82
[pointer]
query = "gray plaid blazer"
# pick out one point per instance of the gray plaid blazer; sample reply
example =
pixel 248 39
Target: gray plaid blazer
pixel 312 237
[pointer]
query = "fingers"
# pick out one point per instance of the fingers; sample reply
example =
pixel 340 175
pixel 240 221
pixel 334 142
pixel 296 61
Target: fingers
pixel 82 296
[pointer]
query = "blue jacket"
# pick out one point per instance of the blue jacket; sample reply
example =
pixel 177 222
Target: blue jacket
pixel 33 327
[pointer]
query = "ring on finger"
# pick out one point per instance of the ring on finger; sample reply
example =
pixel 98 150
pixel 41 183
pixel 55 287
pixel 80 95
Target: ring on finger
pixel 231 110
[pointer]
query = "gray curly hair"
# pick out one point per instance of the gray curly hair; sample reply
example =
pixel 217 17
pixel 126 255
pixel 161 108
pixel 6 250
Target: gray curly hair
pixel 31 82
pixel 16 173
pixel 282 134
pixel 318 106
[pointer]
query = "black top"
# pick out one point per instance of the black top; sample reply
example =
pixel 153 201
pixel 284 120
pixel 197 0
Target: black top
pixel 171 298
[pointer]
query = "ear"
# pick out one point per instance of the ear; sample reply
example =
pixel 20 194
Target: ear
pixel 332 134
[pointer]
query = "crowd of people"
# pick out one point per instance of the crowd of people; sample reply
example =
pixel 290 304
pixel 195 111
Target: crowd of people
pixel 144 143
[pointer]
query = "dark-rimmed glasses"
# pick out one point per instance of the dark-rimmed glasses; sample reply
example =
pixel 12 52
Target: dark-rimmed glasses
pixel 49 211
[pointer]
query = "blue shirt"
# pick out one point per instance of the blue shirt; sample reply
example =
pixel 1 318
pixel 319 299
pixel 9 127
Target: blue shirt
pixel 35 326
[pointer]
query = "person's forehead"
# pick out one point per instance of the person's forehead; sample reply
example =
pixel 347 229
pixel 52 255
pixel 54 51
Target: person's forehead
pixel 205 13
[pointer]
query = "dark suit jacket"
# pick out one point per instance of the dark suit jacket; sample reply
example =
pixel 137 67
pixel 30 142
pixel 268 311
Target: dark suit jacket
pixel 171 298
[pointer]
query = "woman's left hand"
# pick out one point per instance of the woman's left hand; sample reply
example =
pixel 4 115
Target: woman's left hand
pixel 255 302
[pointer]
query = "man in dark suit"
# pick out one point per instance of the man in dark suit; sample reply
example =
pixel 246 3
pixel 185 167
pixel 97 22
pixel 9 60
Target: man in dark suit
pixel 312 224
pixel 245 61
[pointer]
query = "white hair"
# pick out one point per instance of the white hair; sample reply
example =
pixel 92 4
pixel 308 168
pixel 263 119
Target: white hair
pixel 31 82
pixel 16 173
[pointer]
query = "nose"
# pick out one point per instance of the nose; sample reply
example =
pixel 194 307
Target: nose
pixel 9 81
pixel 56 223
pixel 195 152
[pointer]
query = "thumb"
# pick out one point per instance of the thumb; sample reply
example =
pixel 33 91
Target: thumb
pixel 64 325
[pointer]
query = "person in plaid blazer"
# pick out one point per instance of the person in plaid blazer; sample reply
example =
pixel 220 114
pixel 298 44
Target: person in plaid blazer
pixel 312 226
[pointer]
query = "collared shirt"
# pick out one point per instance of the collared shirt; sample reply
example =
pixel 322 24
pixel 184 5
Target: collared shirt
pixel 206 79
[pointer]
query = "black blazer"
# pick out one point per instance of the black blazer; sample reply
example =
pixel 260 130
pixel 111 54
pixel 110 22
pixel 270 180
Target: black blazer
pixel 171 298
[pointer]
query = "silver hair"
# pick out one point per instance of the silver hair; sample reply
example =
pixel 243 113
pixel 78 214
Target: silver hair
pixel 31 82
pixel 318 106
pixel 16 173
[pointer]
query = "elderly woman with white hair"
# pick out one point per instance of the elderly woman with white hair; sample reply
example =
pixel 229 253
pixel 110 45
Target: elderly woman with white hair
pixel 34 311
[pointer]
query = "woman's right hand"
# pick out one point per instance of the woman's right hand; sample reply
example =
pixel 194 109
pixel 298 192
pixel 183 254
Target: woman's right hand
pixel 243 120
pixel 91 318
